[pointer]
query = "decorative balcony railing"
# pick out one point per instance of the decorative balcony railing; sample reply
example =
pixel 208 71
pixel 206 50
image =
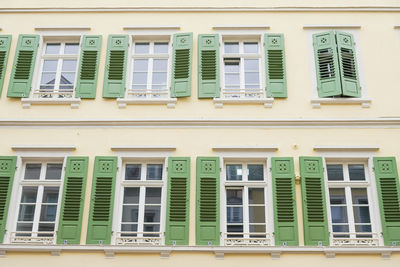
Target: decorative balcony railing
pixel 147 93
pixel 247 239
pixel 354 239
pixel 51 93
pixel 139 238
pixel 243 93
pixel 21 237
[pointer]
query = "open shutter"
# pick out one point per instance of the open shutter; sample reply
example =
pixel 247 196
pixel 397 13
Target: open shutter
pixel 88 68
pixel 207 205
pixel 284 192
pixel 182 65
pixel 102 201
pixel 7 171
pixel 348 64
pixel 5 41
pixel 69 227
pixel 208 65
pixel 326 64
pixel 275 65
pixel 314 204
pixel 387 182
pixel 177 225
pixel 115 71
pixel 24 62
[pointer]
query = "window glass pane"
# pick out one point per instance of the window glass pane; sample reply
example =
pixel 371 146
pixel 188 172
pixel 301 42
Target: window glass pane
pixel 356 172
pixel 234 197
pixel 50 65
pixel 364 228
pixel 26 212
pixel 131 195
pixel 257 214
pixel 53 171
pixel 235 229
pixel 160 48
pixel 256 172
pixel 359 195
pixel 53 49
pixel 129 228
pixel 256 196
pixel 130 214
pixel 234 172
pixel 140 65
pixel 154 172
pixel 337 196
pixel 151 228
pixel 142 48
pixel 361 214
pixel 29 194
pixel 67 78
pixel 50 194
pixel 232 79
pixel 335 172
pixel 69 65
pixel 32 171
pixel 46 227
pixel 24 227
pixel 251 65
pixel 139 78
pixel 159 78
pixel 340 228
pixel 257 229
pixel 231 47
pixel 234 214
pixel 251 47
pixel 252 78
pixel 153 195
pixel 339 214
pixel 133 171
pixel 71 48
pixel 232 65
pixel 152 214
pixel 160 65
pixel 48 213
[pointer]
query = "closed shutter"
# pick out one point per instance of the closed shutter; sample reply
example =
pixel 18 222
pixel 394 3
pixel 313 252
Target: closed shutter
pixel 348 64
pixel 387 182
pixel 102 201
pixel 207 201
pixel 69 227
pixel 89 63
pixel 7 171
pixel 182 65
pixel 5 41
pixel 177 224
pixel 326 64
pixel 284 192
pixel 208 66
pixel 24 63
pixel 275 65
pixel 314 203
pixel 115 71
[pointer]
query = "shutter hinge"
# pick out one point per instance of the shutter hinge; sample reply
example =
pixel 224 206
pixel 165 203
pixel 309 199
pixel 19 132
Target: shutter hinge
pixel 167 168
pixel 373 168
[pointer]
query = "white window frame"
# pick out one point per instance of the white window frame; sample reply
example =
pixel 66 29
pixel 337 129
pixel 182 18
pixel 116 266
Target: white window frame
pixel 317 101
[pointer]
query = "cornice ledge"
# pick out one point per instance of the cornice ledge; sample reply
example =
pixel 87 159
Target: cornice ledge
pixel 62 28
pixel 43 148
pixel 245 148
pixel 328 148
pixel 240 27
pixel 143 148
pixel 332 26
pixel 152 27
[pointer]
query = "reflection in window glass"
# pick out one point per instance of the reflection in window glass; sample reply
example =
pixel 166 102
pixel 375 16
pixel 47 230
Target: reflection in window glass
pixel 234 172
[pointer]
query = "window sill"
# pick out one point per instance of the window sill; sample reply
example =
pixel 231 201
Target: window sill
pixel 170 102
pixel 317 102
pixel 27 102
pixel 219 102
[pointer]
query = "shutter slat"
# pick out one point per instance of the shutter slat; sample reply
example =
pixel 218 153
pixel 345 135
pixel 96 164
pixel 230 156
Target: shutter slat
pixel 181 65
pixel 275 65
pixel 208 66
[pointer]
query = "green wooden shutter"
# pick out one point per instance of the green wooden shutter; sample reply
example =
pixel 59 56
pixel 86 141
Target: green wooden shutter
pixel 387 182
pixel 207 201
pixel 208 66
pixel 69 227
pixel 115 72
pixel 275 65
pixel 88 68
pixel 314 204
pixel 102 201
pixel 182 65
pixel 24 62
pixel 284 193
pixel 5 41
pixel 348 64
pixel 326 64
pixel 177 224
pixel 7 171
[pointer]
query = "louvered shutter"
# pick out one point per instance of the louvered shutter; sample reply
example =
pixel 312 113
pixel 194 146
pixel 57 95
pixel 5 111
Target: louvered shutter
pixel 284 193
pixel 24 63
pixel 102 201
pixel 208 66
pixel 207 197
pixel 182 65
pixel 7 171
pixel 348 64
pixel 275 65
pixel 314 203
pixel 326 64
pixel 115 71
pixel 387 182
pixel 177 224
pixel 5 41
pixel 69 227
pixel 88 67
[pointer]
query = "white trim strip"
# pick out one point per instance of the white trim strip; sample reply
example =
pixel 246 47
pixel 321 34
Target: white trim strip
pixel 43 148
pixel 143 148
pixel 62 28
pixel 345 148
pixel 334 26
pixel 245 148
pixel 155 27
pixel 240 27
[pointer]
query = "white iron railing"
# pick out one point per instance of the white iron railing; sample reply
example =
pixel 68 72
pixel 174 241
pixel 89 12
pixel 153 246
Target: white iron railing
pixel 147 93
pixel 354 239
pixel 51 93
pixel 21 237
pixel 243 93
pixel 247 239
pixel 139 238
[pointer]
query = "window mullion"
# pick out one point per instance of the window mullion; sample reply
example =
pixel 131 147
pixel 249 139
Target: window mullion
pixel 149 77
pixel 245 203
pixel 142 191
pixel 38 209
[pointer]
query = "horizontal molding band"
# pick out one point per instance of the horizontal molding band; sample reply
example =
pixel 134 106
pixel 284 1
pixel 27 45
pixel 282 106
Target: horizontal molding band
pixel 392 122
pixel 203 9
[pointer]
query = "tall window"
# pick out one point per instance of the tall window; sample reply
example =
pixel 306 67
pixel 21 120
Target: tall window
pixel 143 189
pixel 150 60
pixel 241 68
pixel 58 69
pixel 38 202
pixel 350 203
pixel 246 212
